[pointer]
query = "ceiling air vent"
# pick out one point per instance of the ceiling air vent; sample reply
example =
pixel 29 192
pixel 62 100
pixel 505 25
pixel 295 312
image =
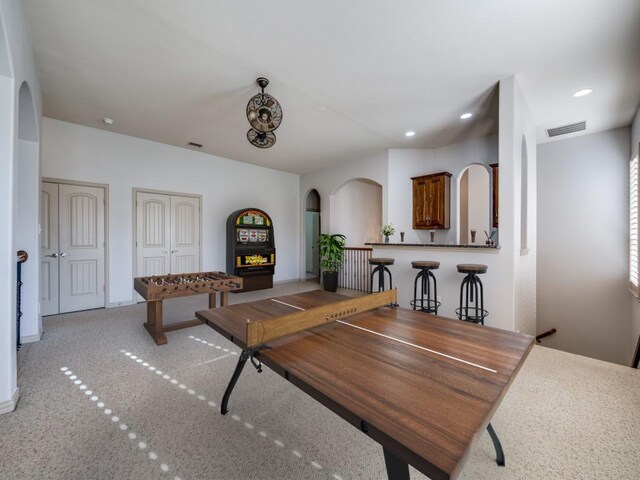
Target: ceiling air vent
pixel 574 127
pixel 194 144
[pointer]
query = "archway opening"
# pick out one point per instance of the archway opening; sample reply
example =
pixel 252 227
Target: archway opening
pixel 474 204
pixel 356 211
pixel 27 212
pixel 312 231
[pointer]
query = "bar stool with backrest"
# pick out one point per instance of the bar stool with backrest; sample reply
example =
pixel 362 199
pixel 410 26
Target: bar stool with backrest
pixel 428 287
pixel 381 269
pixel 472 294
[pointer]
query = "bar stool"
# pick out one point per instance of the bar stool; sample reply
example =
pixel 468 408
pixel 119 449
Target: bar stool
pixel 381 268
pixel 428 287
pixel 471 291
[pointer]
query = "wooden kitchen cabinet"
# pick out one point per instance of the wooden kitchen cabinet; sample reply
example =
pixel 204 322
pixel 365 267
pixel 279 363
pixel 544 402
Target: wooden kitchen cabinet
pixel 494 194
pixel 431 200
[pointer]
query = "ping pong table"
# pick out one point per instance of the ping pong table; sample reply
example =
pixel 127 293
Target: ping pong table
pixel 424 387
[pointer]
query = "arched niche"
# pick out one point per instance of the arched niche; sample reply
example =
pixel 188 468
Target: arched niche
pixel 27 123
pixel 524 197
pixel 312 224
pixel 356 211
pixel 474 204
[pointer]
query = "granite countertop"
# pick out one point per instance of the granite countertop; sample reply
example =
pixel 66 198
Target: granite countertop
pixel 431 245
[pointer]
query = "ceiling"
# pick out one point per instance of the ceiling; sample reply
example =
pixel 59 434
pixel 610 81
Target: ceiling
pixel 352 76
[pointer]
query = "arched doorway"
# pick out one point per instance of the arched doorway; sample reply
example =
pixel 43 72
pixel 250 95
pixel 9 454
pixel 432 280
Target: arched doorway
pixel 474 204
pixel 26 212
pixel 312 231
pixel 356 211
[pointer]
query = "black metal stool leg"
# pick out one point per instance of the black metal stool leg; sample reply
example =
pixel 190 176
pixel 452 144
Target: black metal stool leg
pixel 244 356
pixel 372 274
pixel 467 281
pixel 415 291
pixel 435 292
pixel 390 279
pixel 497 445
pixel 481 301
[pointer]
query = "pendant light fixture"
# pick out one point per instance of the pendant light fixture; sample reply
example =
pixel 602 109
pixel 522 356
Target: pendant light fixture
pixel 264 115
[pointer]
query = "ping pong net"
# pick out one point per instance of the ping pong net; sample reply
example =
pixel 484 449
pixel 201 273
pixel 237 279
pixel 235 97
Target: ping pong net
pixel 261 331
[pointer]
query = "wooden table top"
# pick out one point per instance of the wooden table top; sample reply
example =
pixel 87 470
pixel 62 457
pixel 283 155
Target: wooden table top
pixel 422 386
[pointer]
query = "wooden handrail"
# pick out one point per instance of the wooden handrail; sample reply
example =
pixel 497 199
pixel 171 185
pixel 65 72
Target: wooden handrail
pixel 545 334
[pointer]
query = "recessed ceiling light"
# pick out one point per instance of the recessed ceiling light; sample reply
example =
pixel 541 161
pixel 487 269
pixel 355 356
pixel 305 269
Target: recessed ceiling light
pixel 108 121
pixel 582 93
pixel 409 134
pixel 464 116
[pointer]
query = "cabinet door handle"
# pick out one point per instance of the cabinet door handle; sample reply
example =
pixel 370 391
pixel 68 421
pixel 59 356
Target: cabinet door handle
pixel 64 254
pixel 165 251
pixel 53 255
pixel 175 251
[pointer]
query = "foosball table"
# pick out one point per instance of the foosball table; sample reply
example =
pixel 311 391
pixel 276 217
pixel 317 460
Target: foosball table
pixel 155 289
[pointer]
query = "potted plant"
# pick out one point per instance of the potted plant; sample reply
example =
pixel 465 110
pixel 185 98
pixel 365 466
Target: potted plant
pixel 331 256
pixel 387 230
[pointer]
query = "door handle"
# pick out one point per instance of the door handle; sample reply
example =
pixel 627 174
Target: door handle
pixel 165 251
pixel 53 255
pixel 64 254
pixel 175 251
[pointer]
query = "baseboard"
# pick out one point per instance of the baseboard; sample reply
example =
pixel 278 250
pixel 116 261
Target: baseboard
pixel 292 280
pixel 36 337
pixel 10 405
pixel 124 303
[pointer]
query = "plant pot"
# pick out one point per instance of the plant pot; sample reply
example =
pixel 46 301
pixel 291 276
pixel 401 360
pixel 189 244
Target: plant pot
pixel 330 281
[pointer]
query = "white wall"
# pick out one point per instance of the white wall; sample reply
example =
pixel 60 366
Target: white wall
pixel 358 212
pixel 407 163
pixel 583 244
pixel 16 66
pixel 74 152
pixel 635 304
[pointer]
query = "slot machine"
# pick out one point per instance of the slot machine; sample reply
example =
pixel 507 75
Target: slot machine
pixel 251 252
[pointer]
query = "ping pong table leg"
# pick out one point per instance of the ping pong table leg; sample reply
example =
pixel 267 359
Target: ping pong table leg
pixel 497 445
pixel 396 468
pixel 244 356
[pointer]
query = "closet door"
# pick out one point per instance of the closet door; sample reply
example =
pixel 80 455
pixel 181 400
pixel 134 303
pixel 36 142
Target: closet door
pixel 49 287
pixel 185 234
pixel 153 234
pixel 82 247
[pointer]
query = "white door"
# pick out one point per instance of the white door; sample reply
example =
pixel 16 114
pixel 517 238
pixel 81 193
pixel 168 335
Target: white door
pixel 73 250
pixel 82 247
pixel 167 234
pixel 153 234
pixel 185 234
pixel 49 292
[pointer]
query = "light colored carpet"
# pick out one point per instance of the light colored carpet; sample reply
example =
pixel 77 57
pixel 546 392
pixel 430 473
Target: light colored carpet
pixel 565 416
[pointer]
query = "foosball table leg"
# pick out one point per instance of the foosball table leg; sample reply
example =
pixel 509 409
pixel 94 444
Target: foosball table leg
pixel 224 299
pixel 154 322
pixel 212 300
